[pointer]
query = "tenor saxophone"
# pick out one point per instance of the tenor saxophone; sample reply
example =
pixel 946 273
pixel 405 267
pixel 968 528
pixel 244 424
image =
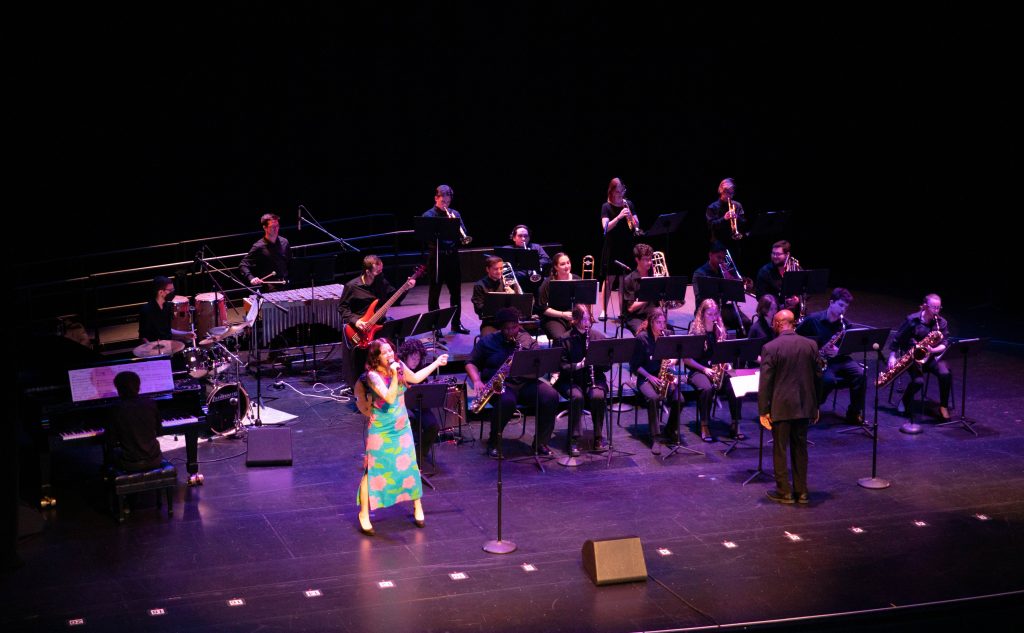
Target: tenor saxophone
pixel 496 384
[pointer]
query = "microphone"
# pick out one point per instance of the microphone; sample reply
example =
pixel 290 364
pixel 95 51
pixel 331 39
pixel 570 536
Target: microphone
pixel 623 266
pixel 300 218
pixel 396 365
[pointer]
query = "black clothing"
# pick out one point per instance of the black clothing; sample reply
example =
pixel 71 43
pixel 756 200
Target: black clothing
pixel 728 308
pixel 523 276
pixel 643 358
pixel 629 289
pixel 132 434
pixel 575 384
pixel 444 270
pixel 554 327
pixel 761 328
pixel 769 282
pixel 719 228
pixel 355 300
pixel 618 243
pixel 787 390
pixel 488 355
pixel 912 331
pixel 480 290
pixel 842 370
pixel 155 322
pixel 265 257
pixel 705 392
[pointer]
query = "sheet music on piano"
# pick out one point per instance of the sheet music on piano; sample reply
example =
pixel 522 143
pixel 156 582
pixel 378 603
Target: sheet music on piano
pixel 97 383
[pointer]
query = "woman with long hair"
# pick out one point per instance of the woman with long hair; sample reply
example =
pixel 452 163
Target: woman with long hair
pixel 649 384
pixel 707 321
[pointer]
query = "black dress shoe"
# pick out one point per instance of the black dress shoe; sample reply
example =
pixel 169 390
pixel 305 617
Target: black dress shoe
pixel 367 531
pixel 855 418
pixel 777 496
pixel 545 451
pixel 458 329
pixel 803 498
pixel 492 453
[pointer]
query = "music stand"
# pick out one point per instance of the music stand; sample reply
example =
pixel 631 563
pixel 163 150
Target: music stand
pixel 571 293
pixel 311 271
pixel 397 330
pixel 610 352
pixel 721 290
pixel 660 290
pixel 431 322
pixel 799 283
pixel 678 347
pixel 426 396
pixel 771 223
pixel 436 230
pixel 738 353
pixel 666 224
pixel 861 340
pixel 519 258
pixel 964 347
pixel 532 364
pixel 494 301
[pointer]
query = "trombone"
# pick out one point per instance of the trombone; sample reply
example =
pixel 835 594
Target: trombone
pixel 508 279
pixel 588 267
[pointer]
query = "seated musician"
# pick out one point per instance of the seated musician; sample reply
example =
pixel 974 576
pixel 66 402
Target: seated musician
pixel 134 425
pixel 761 326
pixel 769 278
pixel 356 298
pixel 530 280
pixel 913 330
pixel 708 322
pixel 555 320
pixel 715 267
pixel 634 312
pixel 825 327
pixel 491 282
pixel 413 353
pixel 646 370
pixel 488 355
pixel 574 380
pixel 157 314
pixel 269 257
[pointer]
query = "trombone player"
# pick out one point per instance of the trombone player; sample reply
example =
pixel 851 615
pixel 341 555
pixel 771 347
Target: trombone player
pixel 443 268
pixel 916 327
pixel 530 280
pixel 493 281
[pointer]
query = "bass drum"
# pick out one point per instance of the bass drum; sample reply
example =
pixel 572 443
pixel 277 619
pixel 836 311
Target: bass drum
pixel 227 402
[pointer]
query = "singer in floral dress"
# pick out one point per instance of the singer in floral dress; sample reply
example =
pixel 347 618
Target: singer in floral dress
pixel 390 472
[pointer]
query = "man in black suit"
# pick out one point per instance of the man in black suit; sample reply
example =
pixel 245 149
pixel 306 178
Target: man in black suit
pixel 788 402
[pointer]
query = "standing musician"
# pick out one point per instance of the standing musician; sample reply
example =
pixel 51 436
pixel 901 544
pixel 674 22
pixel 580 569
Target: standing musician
pixel 823 327
pixel 722 212
pixel 530 280
pixel 634 312
pixel 157 314
pixel 556 320
pixel 269 256
pixel 647 371
pixel 582 385
pixel 356 298
pixel 444 269
pixel 769 276
pixel 915 328
pixel 708 321
pixel 488 355
pixel 714 268
pixel 491 282
pixel 617 214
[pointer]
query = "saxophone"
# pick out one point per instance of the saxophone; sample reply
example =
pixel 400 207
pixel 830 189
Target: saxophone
pixel 496 384
pixel 666 377
pixel 918 354
pixel 834 341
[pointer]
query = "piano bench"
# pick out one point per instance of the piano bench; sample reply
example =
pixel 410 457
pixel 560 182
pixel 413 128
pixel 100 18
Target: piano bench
pixel 124 483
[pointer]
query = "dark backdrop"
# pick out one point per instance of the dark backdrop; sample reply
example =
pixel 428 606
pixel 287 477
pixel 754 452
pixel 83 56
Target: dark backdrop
pixel 881 132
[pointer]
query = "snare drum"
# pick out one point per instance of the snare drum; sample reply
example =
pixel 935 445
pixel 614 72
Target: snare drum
pixel 197 362
pixel 181 320
pixel 226 404
pixel 211 311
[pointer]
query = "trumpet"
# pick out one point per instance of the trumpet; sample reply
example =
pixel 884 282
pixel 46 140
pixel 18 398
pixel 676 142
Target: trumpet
pixel 508 278
pixel 588 267
pixel 463 238
pixel 631 221
pixel 734 221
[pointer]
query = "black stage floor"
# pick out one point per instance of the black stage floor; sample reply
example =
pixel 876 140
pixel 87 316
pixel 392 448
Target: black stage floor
pixel 942 546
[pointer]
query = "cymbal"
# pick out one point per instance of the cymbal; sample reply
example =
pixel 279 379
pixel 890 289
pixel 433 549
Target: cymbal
pixel 221 332
pixel 158 348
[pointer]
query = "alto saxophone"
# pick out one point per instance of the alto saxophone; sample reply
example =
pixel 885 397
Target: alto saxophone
pixel 918 354
pixel 822 359
pixel 666 377
pixel 496 384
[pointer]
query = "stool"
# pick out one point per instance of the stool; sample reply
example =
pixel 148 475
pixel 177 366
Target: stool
pixel 164 477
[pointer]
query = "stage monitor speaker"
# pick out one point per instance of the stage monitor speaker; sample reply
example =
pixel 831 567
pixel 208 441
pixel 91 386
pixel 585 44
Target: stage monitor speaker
pixel 268 446
pixel 615 560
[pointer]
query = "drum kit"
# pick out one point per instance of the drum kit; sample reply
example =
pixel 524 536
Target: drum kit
pixel 208 358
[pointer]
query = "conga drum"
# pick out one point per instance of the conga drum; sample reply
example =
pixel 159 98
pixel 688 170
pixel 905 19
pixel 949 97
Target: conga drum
pixel 211 311
pixel 181 319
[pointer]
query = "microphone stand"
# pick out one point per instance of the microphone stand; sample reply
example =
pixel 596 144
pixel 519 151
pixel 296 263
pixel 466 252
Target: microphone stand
pixel 312 221
pixel 874 482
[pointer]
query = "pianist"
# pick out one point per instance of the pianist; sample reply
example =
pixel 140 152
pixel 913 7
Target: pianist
pixel 134 426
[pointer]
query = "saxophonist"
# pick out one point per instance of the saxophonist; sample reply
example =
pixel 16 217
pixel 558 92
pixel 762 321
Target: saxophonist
pixel 443 268
pixel 916 327
pixel 488 355
pixel 651 378
pixel 841 371
pixel 582 385
pixel 491 282
pixel 708 379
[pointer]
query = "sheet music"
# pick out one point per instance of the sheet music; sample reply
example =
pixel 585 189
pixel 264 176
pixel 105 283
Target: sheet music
pixel 97 383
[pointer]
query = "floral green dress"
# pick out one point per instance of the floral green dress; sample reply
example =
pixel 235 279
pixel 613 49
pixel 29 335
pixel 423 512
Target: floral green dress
pixel 393 475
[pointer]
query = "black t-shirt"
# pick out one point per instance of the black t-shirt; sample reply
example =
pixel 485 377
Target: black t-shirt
pixel 154 321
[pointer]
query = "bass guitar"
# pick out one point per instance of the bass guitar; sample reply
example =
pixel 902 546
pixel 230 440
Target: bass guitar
pixel 361 337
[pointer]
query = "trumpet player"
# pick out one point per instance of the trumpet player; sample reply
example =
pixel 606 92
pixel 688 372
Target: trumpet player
pixel 530 280
pixel 916 327
pixel 769 277
pixel 555 319
pixel 491 282
pixel 489 353
pixel 582 385
pixel 635 312
pixel 617 214
pixel 651 379
pixel 721 214
pixel 841 370
pixel 708 322
pixel 444 269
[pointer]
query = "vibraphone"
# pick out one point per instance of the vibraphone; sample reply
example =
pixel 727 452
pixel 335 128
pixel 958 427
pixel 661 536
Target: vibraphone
pixel 317 307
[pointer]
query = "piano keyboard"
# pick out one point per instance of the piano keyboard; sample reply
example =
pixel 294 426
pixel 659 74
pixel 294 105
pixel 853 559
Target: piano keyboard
pixel 167 424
